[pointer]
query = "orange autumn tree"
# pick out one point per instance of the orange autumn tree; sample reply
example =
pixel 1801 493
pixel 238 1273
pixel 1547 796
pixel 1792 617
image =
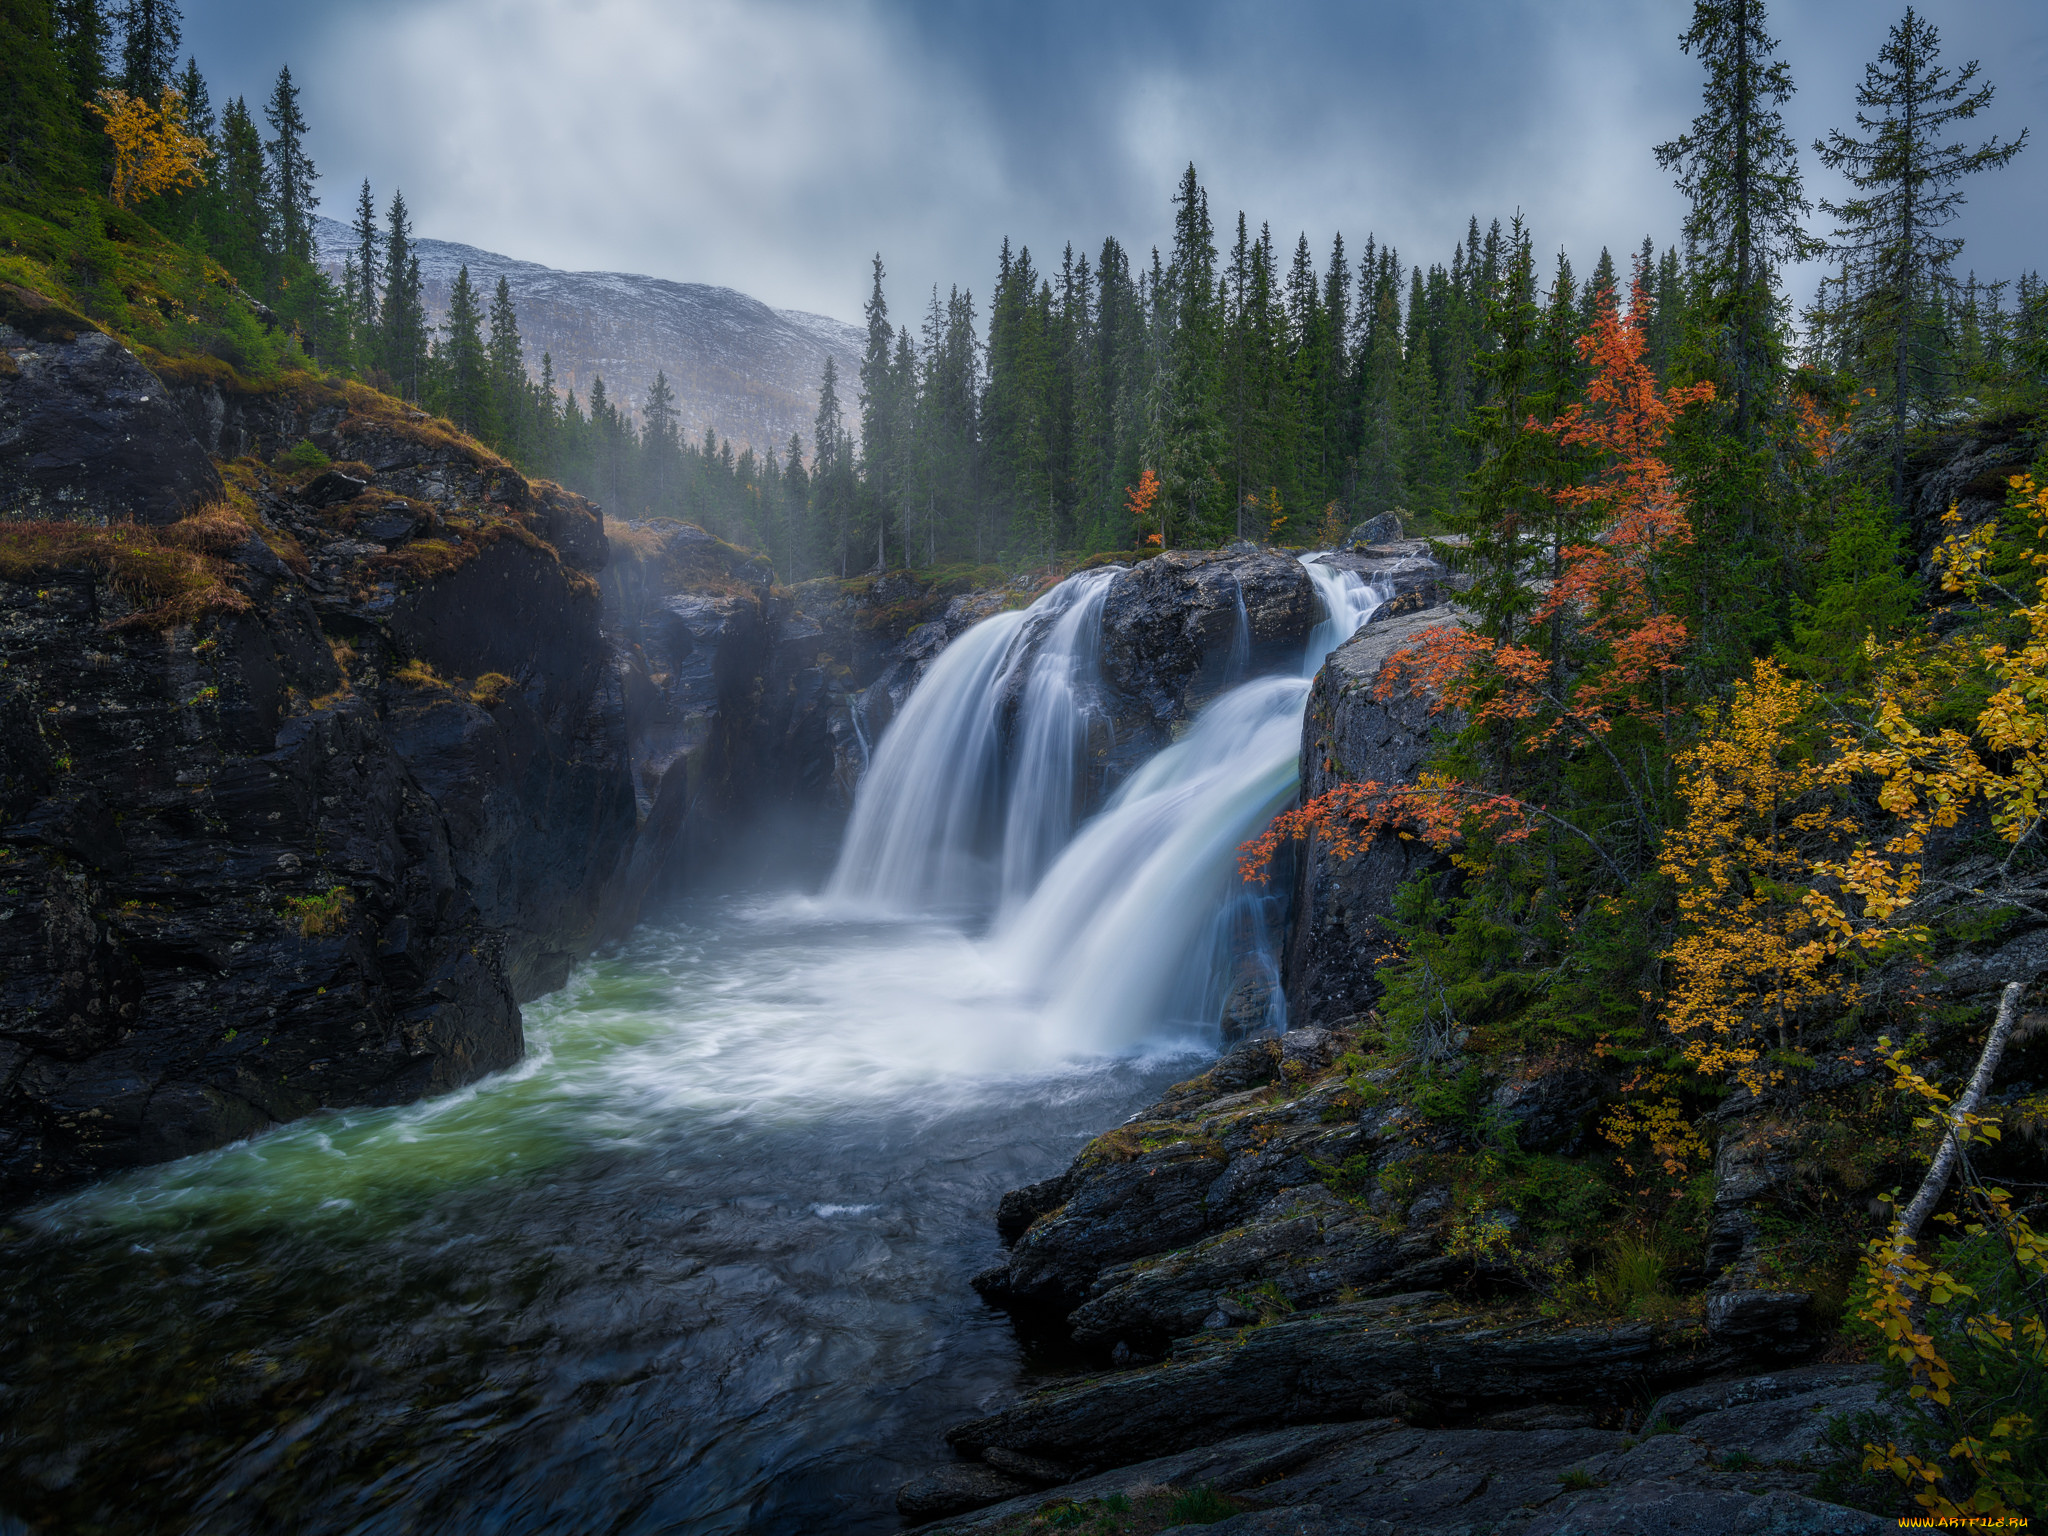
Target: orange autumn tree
pixel 1138 500
pixel 154 151
pixel 1598 648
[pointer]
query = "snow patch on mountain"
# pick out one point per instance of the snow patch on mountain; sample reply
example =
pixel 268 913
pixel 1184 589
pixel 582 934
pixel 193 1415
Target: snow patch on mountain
pixel 747 371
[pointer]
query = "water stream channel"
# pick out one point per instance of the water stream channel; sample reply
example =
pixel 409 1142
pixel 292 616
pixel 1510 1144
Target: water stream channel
pixel 700 1262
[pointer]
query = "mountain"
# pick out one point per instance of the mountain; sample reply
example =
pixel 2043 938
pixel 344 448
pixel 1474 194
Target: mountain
pixel 747 371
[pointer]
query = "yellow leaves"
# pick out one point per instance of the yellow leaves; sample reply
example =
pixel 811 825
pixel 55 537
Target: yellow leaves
pixel 153 150
pixel 1672 1138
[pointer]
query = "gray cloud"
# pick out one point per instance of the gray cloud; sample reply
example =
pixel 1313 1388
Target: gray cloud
pixel 774 145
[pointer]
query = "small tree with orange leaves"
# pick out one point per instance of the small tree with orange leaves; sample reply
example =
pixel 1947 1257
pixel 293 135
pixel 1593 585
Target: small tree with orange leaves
pixel 154 152
pixel 1139 499
pixel 1558 856
pixel 1622 642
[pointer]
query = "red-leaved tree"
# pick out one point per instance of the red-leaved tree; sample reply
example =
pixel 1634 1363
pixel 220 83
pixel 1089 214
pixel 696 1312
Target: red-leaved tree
pixel 1613 642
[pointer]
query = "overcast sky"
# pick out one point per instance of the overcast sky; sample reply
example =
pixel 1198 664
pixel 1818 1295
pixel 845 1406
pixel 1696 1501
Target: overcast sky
pixel 775 145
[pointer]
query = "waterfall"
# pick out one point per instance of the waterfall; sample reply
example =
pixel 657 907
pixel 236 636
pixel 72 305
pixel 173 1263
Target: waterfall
pixel 1348 601
pixel 945 819
pixel 1050 734
pixel 1122 933
pixel 1137 918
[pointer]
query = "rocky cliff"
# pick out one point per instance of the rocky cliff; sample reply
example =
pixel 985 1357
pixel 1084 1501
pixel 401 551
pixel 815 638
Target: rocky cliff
pixel 317 756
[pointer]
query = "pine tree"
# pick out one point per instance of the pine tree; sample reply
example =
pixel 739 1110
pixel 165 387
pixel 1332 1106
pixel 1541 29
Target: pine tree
pixel 1185 442
pixel 240 205
pixel 463 367
pixel 403 318
pixel 149 46
pixel 292 171
pixel 368 267
pixel 1888 236
pixel 1740 170
pixel 658 419
pixel 506 365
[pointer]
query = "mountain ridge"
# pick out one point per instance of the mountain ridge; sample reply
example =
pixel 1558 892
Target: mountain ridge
pixel 746 370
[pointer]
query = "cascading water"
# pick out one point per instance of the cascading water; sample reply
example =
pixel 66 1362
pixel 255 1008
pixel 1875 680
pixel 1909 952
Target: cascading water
pixel 1144 920
pixel 1141 920
pixel 942 822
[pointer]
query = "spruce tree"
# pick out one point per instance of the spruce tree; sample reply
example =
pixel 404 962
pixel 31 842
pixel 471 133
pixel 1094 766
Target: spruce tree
pixel 41 136
pixel 149 46
pixel 1185 443
pixel 659 442
pixel 84 40
pixel 368 265
pixel 464 366
pixel 239 209
pixel 198 101
pixel 403 319
pixel 1888 236
pixel 506 367
pixel 878 412
pixel 828 479
pixel 1503 510
pixel 292 171
pixel 1740 170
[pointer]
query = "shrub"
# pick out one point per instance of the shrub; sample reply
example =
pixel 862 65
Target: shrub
pixel 1200 1505
pixel 303 456
pixel 322 914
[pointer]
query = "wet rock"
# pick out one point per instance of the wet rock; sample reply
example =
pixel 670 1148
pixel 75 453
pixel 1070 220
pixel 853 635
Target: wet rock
pixel 1758 1318
pixel 1414 1354
pixel 1035 1470
pixel 87 434
pixel 1169 625
pixel 1549 1111
pixel 1534 1471
pixel 1338 936
pixel 1019 1208
pixel 391 525
pixel 1122 1210
pixel 1729 1394
pixel 1975 971
pixel 248 881
pixel 1383 529
pixel 954 1490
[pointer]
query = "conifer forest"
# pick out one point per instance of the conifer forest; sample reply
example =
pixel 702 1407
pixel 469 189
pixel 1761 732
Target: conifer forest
pixel 1272 880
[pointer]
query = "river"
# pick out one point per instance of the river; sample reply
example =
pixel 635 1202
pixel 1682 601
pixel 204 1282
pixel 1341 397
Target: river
pixel 700 1263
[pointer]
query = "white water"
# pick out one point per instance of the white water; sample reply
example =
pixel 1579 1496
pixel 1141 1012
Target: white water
pixel 1139 919
pixel 941 822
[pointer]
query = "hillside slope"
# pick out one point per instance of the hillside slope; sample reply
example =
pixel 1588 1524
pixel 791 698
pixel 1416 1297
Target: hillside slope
pixel 747 371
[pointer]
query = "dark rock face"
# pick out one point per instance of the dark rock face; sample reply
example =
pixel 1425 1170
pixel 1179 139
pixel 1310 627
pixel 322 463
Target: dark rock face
pixel 1170 623
pixel 315 852
pixel 732 697
pixel 1349 733
pixel 1208 1210
pixel 1383 1477
pixel 86 432
pixel 1417 1354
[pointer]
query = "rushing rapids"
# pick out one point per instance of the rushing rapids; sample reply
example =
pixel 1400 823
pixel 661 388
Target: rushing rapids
pixel 700 1262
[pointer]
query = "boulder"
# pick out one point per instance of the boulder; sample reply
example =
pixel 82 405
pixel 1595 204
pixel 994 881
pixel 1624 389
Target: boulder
pixel 1383 529
pixel 1171 624
pixel 87 434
